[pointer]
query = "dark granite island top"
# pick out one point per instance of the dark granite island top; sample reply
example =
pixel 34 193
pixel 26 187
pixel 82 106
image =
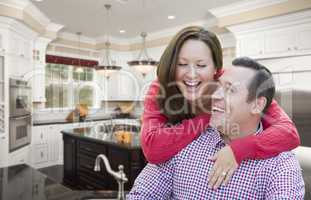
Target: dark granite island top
pixel 22 182
pixel 91 134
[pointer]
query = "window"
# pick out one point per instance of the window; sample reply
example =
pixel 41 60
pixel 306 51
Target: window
pixel 67 86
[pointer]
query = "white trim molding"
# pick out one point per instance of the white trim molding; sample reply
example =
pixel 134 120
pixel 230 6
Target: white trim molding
pixel 243 6
pixel 302 17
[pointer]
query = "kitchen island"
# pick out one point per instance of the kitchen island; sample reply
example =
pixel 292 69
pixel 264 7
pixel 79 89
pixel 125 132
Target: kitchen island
pixel 81 147
pixel 22 182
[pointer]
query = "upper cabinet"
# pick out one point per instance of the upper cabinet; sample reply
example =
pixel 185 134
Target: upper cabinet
pixel 274 37
pixel 283 42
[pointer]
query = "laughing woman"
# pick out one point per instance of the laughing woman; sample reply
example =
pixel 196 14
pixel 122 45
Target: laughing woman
pixel 177 108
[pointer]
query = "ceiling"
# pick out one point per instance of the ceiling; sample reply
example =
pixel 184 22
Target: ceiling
pixel 134 16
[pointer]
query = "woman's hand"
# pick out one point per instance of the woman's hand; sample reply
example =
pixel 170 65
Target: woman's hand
pixel 223 169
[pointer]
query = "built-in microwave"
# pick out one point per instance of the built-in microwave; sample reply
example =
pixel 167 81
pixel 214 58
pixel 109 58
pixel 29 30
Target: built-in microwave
pixel 20 94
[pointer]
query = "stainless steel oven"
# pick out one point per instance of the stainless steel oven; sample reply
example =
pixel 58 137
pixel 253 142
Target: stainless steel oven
pixel 20 131
pixel 20 114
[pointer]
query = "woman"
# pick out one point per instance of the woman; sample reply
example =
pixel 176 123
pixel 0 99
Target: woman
pixel 176 108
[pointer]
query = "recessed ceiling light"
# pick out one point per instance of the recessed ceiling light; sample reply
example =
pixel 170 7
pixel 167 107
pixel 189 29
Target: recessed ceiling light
pixel 171 17
pixel 38 0
pixel 122 31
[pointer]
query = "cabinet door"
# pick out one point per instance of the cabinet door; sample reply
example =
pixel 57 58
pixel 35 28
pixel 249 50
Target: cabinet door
pixel 53 145
pixel 40 134
pixel 279 42
pixel 41 154
pixel 252 45
pixel 69 160
pixel 303 40
pixel 38 83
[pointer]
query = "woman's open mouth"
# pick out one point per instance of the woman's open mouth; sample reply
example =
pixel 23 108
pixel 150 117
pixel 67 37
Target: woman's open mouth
pixel 192 85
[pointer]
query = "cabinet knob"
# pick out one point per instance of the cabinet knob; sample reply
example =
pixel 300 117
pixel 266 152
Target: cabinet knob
pixel 296 48
pixel 42 154
pixel 41 136
pixel 260 52
pixel 289 49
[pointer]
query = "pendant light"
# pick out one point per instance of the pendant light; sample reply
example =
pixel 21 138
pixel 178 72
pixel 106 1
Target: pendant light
pixel 79 69
pixel 143 63
pixel 108 66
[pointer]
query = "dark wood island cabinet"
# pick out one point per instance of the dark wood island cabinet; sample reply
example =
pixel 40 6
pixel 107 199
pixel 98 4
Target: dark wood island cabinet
pixel 81 147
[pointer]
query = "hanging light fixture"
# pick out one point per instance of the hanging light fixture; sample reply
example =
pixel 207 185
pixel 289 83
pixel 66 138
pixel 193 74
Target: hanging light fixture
pixel 79 69
pixel 108 66
pixel 143 63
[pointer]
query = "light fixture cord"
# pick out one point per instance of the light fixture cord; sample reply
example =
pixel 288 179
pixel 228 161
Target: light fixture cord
pixel 107 43
pixel 143 53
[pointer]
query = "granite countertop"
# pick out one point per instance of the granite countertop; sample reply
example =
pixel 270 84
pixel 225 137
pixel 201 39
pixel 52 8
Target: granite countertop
pixel 91 134
pixel 88 119
pixel 22 182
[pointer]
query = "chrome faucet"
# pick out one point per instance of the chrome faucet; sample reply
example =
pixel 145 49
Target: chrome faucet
pixel 119 176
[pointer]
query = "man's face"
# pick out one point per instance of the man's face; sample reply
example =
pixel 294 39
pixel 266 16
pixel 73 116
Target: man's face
pixel 230 108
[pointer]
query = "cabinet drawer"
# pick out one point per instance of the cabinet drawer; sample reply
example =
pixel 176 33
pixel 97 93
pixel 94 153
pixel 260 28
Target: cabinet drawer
pixel 19 158
pixel 40 154
pixel 90 183
pixel 40 137
pixel 91 148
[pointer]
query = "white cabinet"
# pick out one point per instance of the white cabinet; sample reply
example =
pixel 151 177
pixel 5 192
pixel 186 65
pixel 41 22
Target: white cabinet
pixel 39 63
pixel 303 40
pixel 45 145
pixel 2 97
pixel 251 45
pixel 281 36
pixel 291 41
pixel 279 42
pixel 41 154
pixel 20 156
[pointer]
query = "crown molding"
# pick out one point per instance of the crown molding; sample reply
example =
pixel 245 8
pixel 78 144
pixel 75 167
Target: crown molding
pixel 18 4
pixel 54 28
pixel 243 6
pixel 74 38
pixel 302 17
pixel 17 27
pixel 39 16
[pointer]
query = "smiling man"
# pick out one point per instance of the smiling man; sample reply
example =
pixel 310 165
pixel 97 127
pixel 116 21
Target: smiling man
pixel 245 91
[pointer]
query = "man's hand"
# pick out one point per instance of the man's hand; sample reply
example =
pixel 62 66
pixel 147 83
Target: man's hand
pixel 223 169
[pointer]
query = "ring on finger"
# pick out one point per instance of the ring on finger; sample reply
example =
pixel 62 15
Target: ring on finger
pixel 224 173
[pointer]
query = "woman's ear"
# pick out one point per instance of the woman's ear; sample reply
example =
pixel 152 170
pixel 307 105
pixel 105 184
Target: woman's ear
pixel 218 73
pixel 259 105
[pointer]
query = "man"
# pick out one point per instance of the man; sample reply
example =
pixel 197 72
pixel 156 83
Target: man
pixel 245 91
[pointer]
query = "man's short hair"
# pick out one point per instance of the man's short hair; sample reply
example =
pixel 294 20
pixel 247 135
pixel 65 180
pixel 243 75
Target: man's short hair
pixel 262 84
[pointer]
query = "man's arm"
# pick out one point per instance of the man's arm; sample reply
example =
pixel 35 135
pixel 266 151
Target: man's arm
pixel 154 182
pixel 286 182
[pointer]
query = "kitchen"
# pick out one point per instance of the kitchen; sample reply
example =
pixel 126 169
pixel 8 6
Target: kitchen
pixel 71 86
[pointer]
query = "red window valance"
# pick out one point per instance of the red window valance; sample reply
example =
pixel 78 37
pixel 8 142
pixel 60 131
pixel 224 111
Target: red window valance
pixel 70 61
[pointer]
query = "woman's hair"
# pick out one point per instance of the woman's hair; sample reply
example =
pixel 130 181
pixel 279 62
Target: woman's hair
pixel 170 99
